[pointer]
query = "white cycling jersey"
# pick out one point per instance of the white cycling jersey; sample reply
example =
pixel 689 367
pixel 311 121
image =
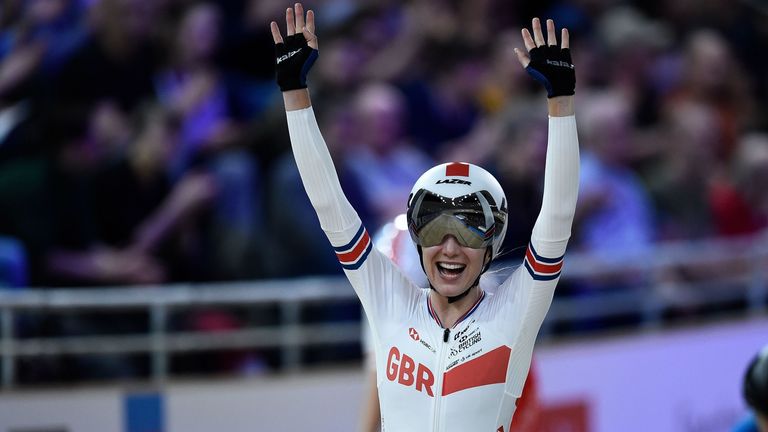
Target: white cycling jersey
pixel 430 378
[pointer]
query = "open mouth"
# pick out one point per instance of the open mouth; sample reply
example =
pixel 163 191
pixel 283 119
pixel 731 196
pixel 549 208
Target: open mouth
pixel 450 270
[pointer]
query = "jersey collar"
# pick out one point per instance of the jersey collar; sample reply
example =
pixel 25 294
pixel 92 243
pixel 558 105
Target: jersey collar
pixel 471 310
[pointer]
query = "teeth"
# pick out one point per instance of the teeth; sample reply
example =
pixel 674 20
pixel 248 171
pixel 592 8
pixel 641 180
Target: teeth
pixel 451 266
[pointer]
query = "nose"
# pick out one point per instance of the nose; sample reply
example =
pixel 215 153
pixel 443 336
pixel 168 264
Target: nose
pixel 450 246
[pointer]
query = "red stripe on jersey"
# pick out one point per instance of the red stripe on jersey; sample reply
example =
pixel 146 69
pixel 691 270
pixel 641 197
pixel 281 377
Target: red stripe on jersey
pixel 457 169
pixel 489 368
pixel 472 309
pixel 432 312
pixel 542 268
pixel 355 253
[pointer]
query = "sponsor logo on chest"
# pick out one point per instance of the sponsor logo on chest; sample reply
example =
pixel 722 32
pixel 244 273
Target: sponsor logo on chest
pixel 465 339
pixel 414 334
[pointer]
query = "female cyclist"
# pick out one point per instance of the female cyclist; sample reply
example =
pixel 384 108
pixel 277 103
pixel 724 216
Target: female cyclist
pixel 449 357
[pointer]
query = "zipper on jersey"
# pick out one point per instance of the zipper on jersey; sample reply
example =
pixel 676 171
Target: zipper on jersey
pixel 441 357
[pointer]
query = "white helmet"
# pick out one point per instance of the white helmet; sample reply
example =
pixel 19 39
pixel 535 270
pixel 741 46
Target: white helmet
pixel 459 199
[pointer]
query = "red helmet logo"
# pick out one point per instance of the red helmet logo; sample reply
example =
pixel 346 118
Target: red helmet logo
pixel 457 169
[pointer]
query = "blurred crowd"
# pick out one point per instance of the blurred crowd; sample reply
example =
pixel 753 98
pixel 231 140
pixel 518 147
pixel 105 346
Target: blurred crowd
pixel 144 141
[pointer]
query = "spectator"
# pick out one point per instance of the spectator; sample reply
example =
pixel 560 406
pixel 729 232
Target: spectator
pixel 119 58
pixel 755 391
pixel 710 75
pixel 740 200
pixel 685 165
pixel 611 197
pixel 32 50
pixel 200 93
pixel 135 214
pixel 13 263
pixel 518 159
pixel 382 161
pixel 614 217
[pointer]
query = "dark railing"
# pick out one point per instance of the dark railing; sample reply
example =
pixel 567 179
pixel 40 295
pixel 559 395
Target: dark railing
pixel 733 271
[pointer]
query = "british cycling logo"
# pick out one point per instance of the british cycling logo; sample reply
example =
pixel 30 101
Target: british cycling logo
pixel 461 333
pixel 468 341
pixel 465 341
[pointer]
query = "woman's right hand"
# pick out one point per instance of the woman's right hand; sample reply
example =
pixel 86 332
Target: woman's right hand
pixel 295 55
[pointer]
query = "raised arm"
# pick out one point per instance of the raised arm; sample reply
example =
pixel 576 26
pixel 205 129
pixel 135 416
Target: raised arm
pixel 373 276
pixel 294 57
pixel 551 65
pixel 536 280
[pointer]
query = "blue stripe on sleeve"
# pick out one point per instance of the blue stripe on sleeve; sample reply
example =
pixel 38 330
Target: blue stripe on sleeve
pixel 542 259
pixel 356 265
pixel 540 277
pixel 354 240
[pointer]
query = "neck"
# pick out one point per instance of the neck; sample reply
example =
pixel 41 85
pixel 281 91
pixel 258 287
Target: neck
pixel 449 313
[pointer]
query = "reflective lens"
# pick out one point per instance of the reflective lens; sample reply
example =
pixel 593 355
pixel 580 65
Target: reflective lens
pixel 470 218
pixel 433 233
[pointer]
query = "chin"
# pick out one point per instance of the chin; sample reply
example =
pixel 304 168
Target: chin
pixel 452 289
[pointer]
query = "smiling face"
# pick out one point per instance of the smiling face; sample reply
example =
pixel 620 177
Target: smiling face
pixel 451 267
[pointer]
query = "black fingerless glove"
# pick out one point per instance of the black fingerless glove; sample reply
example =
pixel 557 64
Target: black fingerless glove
pixel 552 67
pixel 293 60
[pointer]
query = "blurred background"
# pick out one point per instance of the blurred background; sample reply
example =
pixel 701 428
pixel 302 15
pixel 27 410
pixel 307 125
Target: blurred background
pixel 159 258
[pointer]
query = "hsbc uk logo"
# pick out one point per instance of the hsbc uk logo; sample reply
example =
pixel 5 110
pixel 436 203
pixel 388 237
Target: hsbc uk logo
pixel 415 336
